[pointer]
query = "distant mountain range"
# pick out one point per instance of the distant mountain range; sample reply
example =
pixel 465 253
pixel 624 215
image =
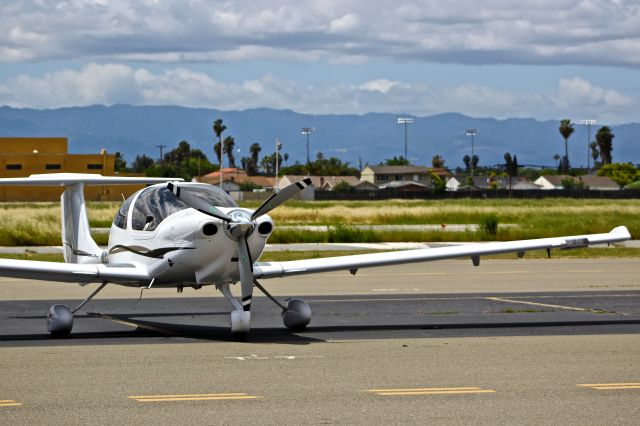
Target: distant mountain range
pixel 368 138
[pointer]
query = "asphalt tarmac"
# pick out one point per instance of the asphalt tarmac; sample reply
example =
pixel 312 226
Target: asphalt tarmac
pixel 522 341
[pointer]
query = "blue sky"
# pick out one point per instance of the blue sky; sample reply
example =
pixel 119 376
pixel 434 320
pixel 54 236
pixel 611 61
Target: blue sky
pixel 543 59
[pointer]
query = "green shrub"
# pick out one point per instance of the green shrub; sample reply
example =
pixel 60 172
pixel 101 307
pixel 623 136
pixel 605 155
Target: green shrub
pixel 488 224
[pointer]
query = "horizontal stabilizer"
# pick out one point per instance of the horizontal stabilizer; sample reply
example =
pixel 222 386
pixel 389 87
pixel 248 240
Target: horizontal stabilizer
pixel 68 179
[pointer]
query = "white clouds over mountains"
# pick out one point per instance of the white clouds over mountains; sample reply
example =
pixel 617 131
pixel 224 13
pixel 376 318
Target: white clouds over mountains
pixel 116 83
pixel 602 32
pixel 357 56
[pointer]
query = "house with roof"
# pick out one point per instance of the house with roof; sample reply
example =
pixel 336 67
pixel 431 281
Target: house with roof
pixel 328 183
pixel 597 183
pixel 232 178
pixel 381 175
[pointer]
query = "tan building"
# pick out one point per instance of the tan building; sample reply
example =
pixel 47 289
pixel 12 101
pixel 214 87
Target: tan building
pixel 21 157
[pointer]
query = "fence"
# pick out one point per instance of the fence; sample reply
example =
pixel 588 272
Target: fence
pixel 479 194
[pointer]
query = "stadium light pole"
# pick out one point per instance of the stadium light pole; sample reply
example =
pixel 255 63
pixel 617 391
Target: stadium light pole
pixel 307 131
pixel 472 133
pixel 278 147
pixel 588 123
pixel 405 121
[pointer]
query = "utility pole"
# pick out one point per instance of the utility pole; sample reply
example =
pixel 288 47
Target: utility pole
pixel 161 147
pixel 307 131
pixel 406 121
pixel 278 146
pixel 588 123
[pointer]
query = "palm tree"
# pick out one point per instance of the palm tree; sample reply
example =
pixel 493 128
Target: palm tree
pixel 218 128
pixel 557 158
pixel 437 161
pixel 566 129
pixel 604 138
pixel 227 147
pixel 594 153
pixel 467 162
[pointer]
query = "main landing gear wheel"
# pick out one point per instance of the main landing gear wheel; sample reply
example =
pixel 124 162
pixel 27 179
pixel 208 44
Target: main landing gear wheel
pixel 297 315
pixel 60 318
pixel 59 321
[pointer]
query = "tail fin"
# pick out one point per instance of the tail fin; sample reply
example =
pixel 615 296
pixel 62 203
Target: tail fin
pixel 78 245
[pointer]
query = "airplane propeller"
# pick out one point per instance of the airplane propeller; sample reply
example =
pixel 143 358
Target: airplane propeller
pixel 239 226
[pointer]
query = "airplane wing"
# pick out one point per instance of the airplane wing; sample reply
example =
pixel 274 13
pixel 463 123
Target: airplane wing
pixel 126 274
pixel 473 251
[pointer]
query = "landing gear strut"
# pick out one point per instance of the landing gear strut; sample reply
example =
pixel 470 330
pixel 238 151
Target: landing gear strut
pixel 296 313
pixel 60 318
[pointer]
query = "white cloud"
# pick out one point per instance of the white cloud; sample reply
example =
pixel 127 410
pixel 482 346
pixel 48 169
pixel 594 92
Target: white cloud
pixel 115 83
pixel 462 31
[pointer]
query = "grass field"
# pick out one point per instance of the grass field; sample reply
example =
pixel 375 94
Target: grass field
pixel 39 223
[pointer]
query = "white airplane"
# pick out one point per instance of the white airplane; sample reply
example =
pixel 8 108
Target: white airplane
pixel 178 234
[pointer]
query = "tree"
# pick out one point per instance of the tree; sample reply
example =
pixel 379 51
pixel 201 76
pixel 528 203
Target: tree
pixel 556 157
pixel 474 162
pixel 622 173
pixel 437 162
pixel 396 161
pixel 141 163
pixel 342 186
pixel 183 162
pixel 594 153
pixel 227 147
pixel 121 164
pixel 218 128
pixel 250 164
pixel 467 162
pixel 511 167
pixel 566 129
pixel 439 185
pixel 604 139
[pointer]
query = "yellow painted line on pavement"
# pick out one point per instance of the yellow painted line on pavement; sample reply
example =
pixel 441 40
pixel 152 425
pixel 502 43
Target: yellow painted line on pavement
pixel 429 391
pixel 611 386
pixel 9 403
pixel 546 305
pixel 193 397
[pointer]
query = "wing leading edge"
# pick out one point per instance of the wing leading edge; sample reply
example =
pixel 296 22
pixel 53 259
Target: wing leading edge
pixel 81 273
pixel 310 266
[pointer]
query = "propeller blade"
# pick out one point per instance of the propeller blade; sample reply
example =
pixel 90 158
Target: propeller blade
pixel 280 197
pixel 245 264
pixel 196 198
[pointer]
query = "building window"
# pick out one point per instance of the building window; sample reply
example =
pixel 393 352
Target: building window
pixel 398 177
pixel 94 166
pixel 52 166
pixel 416 178
pixel 382 178
pixel 14 166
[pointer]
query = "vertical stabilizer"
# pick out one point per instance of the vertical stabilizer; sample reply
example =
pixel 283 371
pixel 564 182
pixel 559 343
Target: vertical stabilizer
pixel 77 243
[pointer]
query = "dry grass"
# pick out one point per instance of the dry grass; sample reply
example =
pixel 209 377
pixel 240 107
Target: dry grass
pixel 39 223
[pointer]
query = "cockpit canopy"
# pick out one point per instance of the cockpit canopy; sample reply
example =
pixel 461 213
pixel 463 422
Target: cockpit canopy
pixel 154 204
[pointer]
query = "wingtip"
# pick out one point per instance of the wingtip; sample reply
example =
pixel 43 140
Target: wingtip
pixel 622 231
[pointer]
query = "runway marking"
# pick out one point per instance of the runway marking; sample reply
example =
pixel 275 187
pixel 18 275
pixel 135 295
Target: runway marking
pixel 9 403
pixel 429 391
pixel 611 386
pixel 546 305
pixel 285 357
pixel 194 397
